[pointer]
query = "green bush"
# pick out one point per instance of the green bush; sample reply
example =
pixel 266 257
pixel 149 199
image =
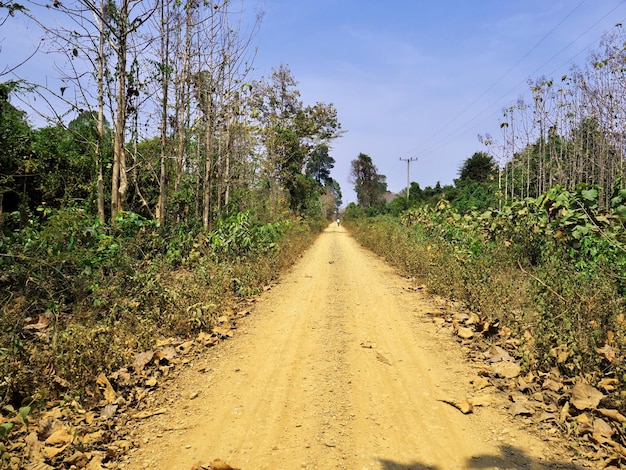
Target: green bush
pixel 93 293
pixel 238 236
pixel 551 269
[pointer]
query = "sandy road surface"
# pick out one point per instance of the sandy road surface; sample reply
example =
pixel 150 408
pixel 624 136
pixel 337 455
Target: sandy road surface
pixel 296 388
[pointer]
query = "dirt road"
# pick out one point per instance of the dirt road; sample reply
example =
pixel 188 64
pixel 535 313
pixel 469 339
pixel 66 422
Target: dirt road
pixel 338 367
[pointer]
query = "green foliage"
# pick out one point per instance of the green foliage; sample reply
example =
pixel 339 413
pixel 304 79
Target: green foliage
pixel 296 138
pixel 476 187
pixel 23 412
pixel 237 236
pixel 66 173
pixel 304 195
pixel 551 269
pixel 319 165
pixel 51 167
pixel 236 183
pixel 398 205
pixel 16 142
pixel 5 429
pixel 480 168
pixel 76 294
pixel 369 185
pixel 472 195
pixel 353 212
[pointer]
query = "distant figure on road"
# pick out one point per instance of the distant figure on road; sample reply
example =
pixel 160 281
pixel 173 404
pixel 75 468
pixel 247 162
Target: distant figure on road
pixel 337 221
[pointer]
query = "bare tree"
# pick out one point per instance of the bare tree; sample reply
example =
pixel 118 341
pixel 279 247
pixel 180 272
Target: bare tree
pixel 222 65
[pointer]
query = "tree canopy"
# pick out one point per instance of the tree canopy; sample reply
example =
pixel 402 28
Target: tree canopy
pixel 369 185
pixel 480 168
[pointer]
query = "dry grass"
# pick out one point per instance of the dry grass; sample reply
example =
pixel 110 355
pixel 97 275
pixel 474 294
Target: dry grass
pixel 124 312
pixel 558 316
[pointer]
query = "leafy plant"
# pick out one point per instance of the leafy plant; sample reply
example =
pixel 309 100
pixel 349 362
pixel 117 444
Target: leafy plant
pixel 237 236
pixel 551 269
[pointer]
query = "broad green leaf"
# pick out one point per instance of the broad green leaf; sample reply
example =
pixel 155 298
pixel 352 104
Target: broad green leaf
pixel 24 412
pixel 590 194
pixel 5 429
pixel 580 231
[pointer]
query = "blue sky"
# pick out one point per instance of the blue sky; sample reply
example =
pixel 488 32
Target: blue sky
pixel 418 78
pixel 409 78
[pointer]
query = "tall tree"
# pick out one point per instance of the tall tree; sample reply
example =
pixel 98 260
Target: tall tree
pixel 97 38
pixel 124 21
pixel 277 103
pixel 335 190
pixel 100 73
pixel 291 133
pixel 575 132
pixel 319 165
pixel 222 65
pixel 164 76
pixel 480 167
pixel 369 185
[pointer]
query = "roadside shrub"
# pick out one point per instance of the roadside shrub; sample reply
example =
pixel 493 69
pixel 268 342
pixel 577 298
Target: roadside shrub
pixel 78 297
pixel 238 236
pixel 551 269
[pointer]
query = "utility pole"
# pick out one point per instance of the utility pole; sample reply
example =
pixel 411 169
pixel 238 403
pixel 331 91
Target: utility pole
pixel 408 174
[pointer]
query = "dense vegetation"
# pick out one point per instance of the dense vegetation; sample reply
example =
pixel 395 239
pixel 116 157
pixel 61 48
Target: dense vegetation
pixel 171 186
pixel 552 270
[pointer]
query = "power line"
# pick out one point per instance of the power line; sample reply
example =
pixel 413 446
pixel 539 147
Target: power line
pixel 460 130
pixel 503 75
pixel 472 121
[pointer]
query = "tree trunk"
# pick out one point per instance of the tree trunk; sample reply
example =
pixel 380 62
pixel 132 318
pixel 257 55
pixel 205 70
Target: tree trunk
pixel 100 124
pixel 165 47
pixel 206 181
pixel 119 183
